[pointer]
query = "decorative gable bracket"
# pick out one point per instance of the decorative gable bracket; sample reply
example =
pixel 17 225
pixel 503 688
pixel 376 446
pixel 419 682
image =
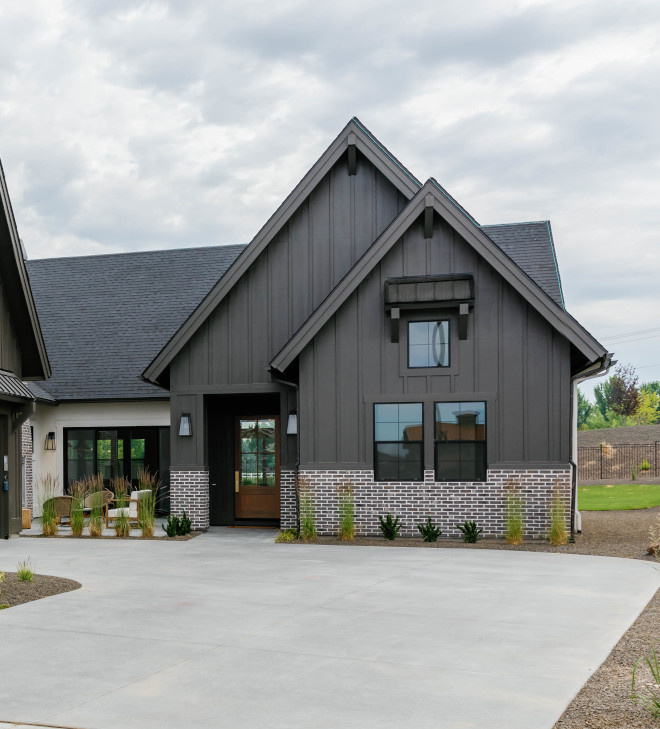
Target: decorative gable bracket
pixel 429 292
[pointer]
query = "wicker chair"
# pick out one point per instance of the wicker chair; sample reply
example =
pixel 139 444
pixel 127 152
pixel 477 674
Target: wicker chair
pixel 63 505
pixel 98 499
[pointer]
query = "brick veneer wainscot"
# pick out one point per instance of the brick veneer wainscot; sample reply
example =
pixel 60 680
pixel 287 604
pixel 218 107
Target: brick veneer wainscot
pixel 189 491
pixel 446 503
pixel 26 452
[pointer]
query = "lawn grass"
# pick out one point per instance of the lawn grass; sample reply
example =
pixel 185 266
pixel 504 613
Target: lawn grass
pixel 618 496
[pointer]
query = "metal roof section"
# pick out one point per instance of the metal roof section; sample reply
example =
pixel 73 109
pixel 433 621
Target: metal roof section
pixel 530 246
pixel 105 317
pixel 353 133
pixel 15 280
pixel 12 387
pixel 465 226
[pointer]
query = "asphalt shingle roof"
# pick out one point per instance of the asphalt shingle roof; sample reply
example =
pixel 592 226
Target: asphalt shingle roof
pixel 104 318
pixel 531 247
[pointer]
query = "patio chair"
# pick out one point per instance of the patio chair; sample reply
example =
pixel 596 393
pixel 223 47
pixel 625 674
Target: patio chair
pixel 132 510
pixel 63 506
pixel 98 499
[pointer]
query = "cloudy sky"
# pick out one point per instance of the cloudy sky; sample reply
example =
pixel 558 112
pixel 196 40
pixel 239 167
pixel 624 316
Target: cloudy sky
pixel 130 125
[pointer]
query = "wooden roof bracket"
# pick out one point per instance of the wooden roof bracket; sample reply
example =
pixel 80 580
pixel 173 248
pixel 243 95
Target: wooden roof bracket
pixel 463 313
pixel 428 217
pixel 352 154
pixel 395 318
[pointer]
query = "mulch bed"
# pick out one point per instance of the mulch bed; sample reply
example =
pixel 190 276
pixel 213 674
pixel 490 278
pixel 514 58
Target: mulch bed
pixel 604 701
pixel 16 592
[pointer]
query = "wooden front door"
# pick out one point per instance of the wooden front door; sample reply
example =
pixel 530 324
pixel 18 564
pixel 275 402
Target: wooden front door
pixel 257 468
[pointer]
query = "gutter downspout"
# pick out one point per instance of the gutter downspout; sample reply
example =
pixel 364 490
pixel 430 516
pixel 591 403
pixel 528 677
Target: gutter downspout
pixel 600 368
pixel 294 387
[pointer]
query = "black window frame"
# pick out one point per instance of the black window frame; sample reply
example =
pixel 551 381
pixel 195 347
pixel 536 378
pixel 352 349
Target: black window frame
pixel 483 442
pixel 398 442
pixel 448 344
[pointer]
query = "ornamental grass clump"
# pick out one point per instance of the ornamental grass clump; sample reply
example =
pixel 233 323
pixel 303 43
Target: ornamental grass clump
pixel 121 487
pixel 47 489
pixel 94 486
pixel 647 690
pixel 390 526
pixel 514 513
pixel 286 535
pixel 147 508
pixel 346 506
pixel 25 570
pixel 557 536
pixel 308 531
pixel 77 494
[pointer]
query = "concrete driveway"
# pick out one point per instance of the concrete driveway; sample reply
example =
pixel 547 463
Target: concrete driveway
pixel 232 630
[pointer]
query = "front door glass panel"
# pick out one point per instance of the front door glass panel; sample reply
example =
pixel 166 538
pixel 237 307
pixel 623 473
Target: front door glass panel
pixel 257 452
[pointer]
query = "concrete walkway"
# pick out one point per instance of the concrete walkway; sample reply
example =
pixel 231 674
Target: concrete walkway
pixel 232 630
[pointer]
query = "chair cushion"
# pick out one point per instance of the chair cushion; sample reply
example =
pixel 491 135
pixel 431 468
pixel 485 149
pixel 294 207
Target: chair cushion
pixel 113 513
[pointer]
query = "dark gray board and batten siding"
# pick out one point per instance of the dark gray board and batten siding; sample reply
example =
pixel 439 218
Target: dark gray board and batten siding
pixel 512 357
pixel 302 264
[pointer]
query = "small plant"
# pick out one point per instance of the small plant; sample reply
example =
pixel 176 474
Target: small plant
pixel 178 526
pixel 287 535
pixel 25 570
pixel 121 522
pixel 172 527
pixel 308 531
pixel 557 535
pixel 96 522
pixel 514 510
pixel 390 526
pixel 649 695
pixel 147 511
pixel 77 505
pixel 429 531
pixel 469 531
pixel 94 485
pixel 47 489
pixel 346 506
pixel 644 465
pixel 633 473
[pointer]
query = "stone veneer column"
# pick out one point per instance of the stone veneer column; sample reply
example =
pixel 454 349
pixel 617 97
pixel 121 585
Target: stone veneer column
pixel 447 504
pixel 189 491
pixel 26 451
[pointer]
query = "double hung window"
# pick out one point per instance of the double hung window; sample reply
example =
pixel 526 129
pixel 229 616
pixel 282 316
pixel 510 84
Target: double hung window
pixel 460 441
pixel 398 442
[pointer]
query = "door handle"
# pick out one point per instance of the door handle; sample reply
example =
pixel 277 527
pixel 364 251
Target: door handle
pixel 236 481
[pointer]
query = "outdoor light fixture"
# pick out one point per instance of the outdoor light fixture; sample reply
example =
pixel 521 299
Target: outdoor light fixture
pixel 292 424
pixel 49 445
pixel 185 425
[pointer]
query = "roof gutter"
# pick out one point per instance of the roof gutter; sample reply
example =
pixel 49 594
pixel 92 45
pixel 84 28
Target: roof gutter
pixel 596 369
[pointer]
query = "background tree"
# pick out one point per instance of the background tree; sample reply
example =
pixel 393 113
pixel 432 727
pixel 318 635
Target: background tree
pixel 603 394
pixel 647 412
pixel 625 397
pixel 585 408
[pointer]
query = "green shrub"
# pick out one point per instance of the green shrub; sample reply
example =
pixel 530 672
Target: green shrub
pixel 633 473
pixel 514 512
pixel 429 531
pixel 649 694
pixel 557 535
pixel 645 465
pixel 178 526
pixel 390 526
pixel 308 531
pixel 172 527
pixel 287 535
pixel 346 505
pixel 470 531
pixel 25 570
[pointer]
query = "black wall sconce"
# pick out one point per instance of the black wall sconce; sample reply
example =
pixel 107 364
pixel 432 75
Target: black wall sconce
pixel 49 445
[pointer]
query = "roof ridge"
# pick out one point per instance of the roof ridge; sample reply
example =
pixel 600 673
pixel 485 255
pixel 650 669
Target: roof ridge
pixel 521 222
pixel 136 253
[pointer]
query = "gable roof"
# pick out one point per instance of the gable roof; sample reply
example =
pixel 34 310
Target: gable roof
pixel 14 279
pixel 531 246
pixel 353 133
pixel 432 193
pixel 105 317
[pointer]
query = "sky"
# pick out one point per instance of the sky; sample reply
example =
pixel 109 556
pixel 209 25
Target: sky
pixel 145 125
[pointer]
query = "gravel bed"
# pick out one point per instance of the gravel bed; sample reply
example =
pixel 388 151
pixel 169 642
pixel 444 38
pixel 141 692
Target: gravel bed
pixel 15 592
